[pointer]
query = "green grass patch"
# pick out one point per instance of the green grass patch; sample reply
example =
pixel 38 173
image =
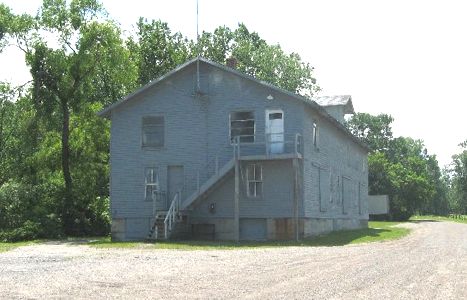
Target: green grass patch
pixel 451 218
pixel 376 231
pixel 10 246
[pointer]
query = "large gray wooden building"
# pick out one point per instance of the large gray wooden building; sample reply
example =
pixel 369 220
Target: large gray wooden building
pixel 209 152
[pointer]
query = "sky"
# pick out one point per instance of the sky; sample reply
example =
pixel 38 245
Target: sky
pixel 403 58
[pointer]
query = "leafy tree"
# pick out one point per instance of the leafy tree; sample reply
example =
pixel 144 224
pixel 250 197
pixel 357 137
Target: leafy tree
pixel 156 50
pixel 459 181
pixel 58 75
pixel 14 26
pixel 375 131
pixel 257 58
pixel 7 132
pixel 401 168
pixel 216 46
pixel 87 62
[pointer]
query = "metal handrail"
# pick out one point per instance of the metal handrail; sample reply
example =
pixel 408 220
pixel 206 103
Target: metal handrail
pixel 172 213
pixel 212 168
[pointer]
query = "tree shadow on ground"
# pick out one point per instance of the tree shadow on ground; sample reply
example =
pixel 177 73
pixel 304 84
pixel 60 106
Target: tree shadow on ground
pixel 423 221
pixel 380 231
pixel 74 241
pixel 337 238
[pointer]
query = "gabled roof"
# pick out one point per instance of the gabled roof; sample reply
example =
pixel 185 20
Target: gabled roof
pixel 342 100
pixel 106 112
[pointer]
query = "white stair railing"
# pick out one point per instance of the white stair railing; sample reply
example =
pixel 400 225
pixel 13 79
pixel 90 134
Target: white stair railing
pixel 171 216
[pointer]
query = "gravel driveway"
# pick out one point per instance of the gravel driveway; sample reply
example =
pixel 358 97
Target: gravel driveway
pixel 431 263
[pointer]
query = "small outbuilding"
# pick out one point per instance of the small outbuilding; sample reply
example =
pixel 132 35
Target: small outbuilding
pixel 378 204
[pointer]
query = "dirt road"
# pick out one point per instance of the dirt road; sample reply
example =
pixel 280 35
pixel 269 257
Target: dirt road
pixel 431 263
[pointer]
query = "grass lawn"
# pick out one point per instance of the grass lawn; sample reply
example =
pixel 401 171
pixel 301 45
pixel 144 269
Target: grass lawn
pixel 9 246
pixel 458 218
pixel 376 231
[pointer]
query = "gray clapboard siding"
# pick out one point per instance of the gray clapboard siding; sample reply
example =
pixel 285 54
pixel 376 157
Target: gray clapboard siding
pixel 197 130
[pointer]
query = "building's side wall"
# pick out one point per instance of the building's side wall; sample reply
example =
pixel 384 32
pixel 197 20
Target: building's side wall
pixel 335 179
pixel 196 131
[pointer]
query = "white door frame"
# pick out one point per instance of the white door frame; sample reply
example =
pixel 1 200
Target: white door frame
pixel 274 140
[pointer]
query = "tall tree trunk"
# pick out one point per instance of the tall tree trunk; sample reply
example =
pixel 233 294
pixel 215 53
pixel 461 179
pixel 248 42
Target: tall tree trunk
pixel 68 197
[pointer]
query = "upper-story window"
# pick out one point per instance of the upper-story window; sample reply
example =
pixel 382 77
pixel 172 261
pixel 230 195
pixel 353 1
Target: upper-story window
pixel 153 131
pixel 315 134
pixel 242 125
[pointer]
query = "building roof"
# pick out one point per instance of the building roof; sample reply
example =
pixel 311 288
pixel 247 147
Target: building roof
pixel 340 100
pixel 106 112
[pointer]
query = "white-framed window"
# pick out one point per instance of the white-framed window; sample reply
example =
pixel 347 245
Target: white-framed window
pixel 242 124
pixel 153 131
pixel 151 183
pixel 254 180
pixel 315 134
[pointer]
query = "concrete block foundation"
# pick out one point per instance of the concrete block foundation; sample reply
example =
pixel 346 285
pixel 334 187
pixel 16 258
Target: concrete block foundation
pixel 118 228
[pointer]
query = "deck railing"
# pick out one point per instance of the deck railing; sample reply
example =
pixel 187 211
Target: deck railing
pixel 268 145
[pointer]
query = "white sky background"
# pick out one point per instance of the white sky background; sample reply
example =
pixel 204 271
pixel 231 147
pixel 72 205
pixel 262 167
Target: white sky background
pixel 400 57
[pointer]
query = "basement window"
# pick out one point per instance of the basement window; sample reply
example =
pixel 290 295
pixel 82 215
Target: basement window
pixel 254 181
pixel 242 125
pixel 151 184
pixel 153 131
pixel 315 134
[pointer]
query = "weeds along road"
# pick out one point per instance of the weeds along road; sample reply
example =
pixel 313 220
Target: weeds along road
pixel 430 263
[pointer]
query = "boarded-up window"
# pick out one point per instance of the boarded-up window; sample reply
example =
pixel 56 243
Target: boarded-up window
pixel 333 187
pixel 339 190
pixel 315 133
pixel 324 189
pixel 346 194
pixel 242 125
pixel 153 131
pixel 151 184
pixel 254 180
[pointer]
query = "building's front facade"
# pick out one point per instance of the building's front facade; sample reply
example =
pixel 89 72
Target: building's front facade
pixel 244 160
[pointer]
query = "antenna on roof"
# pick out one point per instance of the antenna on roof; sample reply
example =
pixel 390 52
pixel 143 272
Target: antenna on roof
pixel 198 90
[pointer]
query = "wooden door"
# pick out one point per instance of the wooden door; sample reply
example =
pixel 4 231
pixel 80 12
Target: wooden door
pixel 175 181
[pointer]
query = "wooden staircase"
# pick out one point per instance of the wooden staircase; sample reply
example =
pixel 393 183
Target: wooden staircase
pixel 173 223
pixel 158 227
pixel 207 186
pixel 180 229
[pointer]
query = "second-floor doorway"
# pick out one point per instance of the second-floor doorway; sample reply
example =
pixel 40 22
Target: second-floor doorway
pixel 275 131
